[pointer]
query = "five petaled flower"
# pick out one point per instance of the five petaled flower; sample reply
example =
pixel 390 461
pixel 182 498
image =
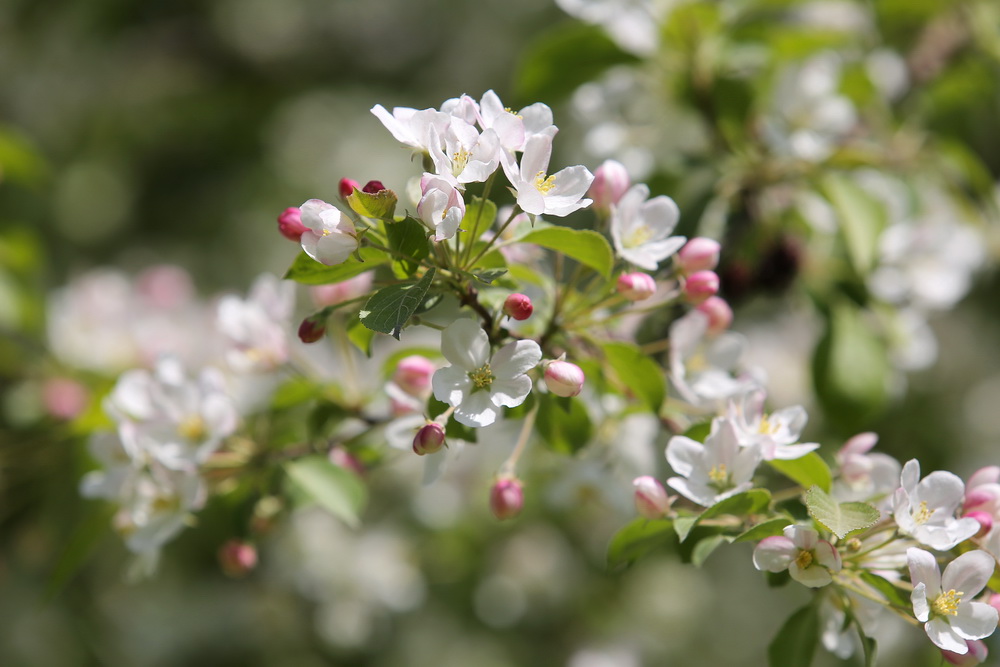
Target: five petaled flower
pixel 476 385
pixel 808 559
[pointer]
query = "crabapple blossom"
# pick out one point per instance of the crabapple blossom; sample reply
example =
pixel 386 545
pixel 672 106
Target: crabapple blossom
pixel 514 129
pixel 563 378
pixel 651 499
pixel 461 154
pixel 347 186
pixel 611 182
pixel 925 508
pixel 429 439
pixel 698 254
pixel 290 224
pixel 720 315
pixel 412 127
pixel 715 470
pixel 255 330
pixel 413 374
pixel 334 293
pixel 538 192
pixel 641 227
pixel 330 237
pixel 808 559
pixel 636 286
pixel 441 207
pixel 518 306
pixel 475 384
pixel 506 498
pixel 702 368
pixel 701 285
pixel 943 601
pixel 776 434
pixel 865 476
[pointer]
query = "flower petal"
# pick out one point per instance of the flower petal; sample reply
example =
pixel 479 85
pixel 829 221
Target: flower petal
pixel 510 393
pixel 968 573
pixel 685 454
pixel 924 569
pixel 465 344
pixel 774 554
pixel 515 359
pixel 812 576
pixel 945 637
pixel 974 620
pixel 476 410
pixel 451 385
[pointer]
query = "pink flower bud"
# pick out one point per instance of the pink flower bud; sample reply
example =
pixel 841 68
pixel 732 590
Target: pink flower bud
pixel 979 498
pixel 413 374
pixel 636 286
pixel 347 187
pixel 373 187
pixel 64 398
pixel 312 329
pixel 976 654
pixel 611 181
pixel 518 306
pixel 339 456
pixel 563 378
pixel 994 601
pixel 237 558
pixel 290 224
pixel 429 439
pixel 700 285
pixel 698 254
pixel 985 521
pixel 986 475
pixel 720 315
pixel 506 498
pixel 651 499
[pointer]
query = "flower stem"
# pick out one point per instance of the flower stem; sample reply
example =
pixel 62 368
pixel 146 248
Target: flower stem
pixel 507 469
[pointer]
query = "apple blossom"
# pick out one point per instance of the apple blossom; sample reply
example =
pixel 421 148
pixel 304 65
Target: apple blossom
pixel 514 129
pixel 636 286
pixel 475 384
pixel 461 154
pixel 538 192
pixel 441 207
pixel 506 498
pixel 611 182
pixel 330 237
pixel 943 601
pixel 255 330
pixel 925 508
pixel 641 227
pixel 563 378
pixel 698 254
pixel 412 127
pixel 518 306
pixel 976 656
pixel 290 224
pixel 413 374
pixel 776 434
pixel 808 559
pixel 651 499
pixel 715 470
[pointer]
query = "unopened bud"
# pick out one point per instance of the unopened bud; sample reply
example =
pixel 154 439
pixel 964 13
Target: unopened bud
pixel 651 499
pixel 312 329
pixel 611 182
pixel 975 655
pixel 700 285
pixel 986 475
pixel 290 224
pixel 64 398
pixel 342 458
pixel 237 558
pixel 413 374
pixel 636 286
pixel 994 601
pixel 518 306
pixel 698 254
pixel 506 498
pixel 985 521
pixel 373 187
pixel 979 497
pixel 563 378
pixel 347 187
pixel 429 439
pixel 720 315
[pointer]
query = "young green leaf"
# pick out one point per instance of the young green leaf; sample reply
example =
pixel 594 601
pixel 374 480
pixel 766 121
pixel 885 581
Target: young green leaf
pixel 768 528
pixel 308 271
pixel 795 643
pixel 479 216
pixel 335 489
pixel 638 538
pixel 584 245
pixel 841 519
pixel 563 430
pixel 380 204
pixel 638 372
pixel 409 238
pixel 806 471
pixel 389 308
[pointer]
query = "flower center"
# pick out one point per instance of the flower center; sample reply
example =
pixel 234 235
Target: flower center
pixel 923 514
pixel 946 604
pixel 192 428
pixel 719 477
pixel 544 183
pixel 767 427
pixel 637 236
pixel 804 559
pixel 482 377
pixel 459 159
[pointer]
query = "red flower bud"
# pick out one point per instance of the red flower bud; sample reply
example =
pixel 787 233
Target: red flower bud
pixel 237 558
pixel 347 187
pixel 373 187
pixel 312 329
pixel 290 224
pixel 518 306
pixel 700 285
pixel 429 439
pixel 506 498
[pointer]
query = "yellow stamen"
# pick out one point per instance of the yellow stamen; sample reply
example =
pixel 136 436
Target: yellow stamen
pixel 544 183
pixel 482 377
pixel 923 514
pixel 192 428
pixel 637 236
pixel 459 159
pixel 946 604
pixel 804 559
pixel 766 427
pixel 719 474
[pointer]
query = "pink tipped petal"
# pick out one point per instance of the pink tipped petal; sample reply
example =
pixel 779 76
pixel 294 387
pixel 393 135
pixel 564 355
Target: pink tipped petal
pixel 803 538
pixel 828 556
pixel 774 554
pixel 862 443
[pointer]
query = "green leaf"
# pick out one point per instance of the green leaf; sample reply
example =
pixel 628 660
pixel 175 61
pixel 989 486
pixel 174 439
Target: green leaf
pixel 768 528
pixel 806 471
pixel 869 646
pixel 92 527
pixel 19 160
pixel 795 643
pixel 841 519
pixel 862 219
pixel 850 368
pixel 381 204
pixel 308 271
pixel 563 430
pixel 638 372
pixel 409 238
pixel 698 432
pixel 489 276
pixel 563 58
pixel 704 548
pixel 294 391
pixel 683 526
pixel 479 216
pixel 638 538
pixel 895 595
pixel 388 309
pixel 335 489
pixel 584 245
pixel 740 504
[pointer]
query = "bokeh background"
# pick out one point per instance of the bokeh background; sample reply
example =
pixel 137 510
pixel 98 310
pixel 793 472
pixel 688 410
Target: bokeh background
pixel 142 133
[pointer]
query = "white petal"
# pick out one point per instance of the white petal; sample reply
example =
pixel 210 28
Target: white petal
pixel 476 410
pixel 774 554
pixel 945 637
pixel 975 620
pixel 924 569
pixel 514 359
pixel 812 576
pixel 968 573
pixel 451 385
pixel 510 393
pixel 685 454
pixel 465 344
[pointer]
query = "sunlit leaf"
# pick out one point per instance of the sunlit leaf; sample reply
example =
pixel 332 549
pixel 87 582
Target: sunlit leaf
pixel 337 490
pixel 388 309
